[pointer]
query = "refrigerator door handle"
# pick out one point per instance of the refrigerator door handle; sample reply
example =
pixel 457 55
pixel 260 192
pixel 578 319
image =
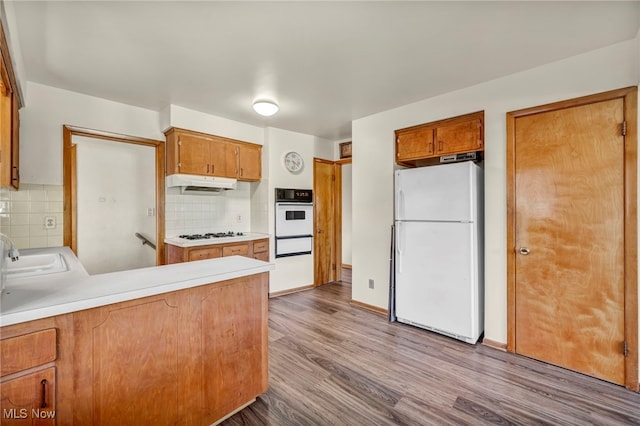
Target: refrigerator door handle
pixel 399 248
pixel 400 205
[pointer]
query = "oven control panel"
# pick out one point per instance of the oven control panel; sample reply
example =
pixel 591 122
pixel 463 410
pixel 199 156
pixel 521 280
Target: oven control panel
pixel 288 195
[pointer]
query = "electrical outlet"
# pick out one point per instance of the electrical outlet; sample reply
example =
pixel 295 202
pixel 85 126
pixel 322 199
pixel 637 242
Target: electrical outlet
pixel 151 211
pixel 370 282
pixel 50 222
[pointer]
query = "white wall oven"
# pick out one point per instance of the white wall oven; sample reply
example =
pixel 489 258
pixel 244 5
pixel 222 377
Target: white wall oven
pixel 294 222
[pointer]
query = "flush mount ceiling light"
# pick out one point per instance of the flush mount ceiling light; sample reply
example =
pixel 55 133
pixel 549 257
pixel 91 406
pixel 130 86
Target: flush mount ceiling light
pixel 265 108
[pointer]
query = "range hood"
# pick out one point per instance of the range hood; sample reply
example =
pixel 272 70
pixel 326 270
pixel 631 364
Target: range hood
pixel 195 184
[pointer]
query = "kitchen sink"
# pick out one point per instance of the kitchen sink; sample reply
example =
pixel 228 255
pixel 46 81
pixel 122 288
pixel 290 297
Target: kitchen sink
pixel 35 264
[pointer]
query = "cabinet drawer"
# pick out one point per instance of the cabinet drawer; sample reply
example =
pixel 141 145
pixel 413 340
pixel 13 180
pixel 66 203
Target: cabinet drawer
pixel 205 253
pixel 264 256
pixel 26 351
pixel 236 250
pixel 30 399
pixel 260 246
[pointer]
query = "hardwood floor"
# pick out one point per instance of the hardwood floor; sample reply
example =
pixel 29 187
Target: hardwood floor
pixel 335 364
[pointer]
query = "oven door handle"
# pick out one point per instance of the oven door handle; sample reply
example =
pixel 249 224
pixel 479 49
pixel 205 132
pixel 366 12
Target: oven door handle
pixel 294 204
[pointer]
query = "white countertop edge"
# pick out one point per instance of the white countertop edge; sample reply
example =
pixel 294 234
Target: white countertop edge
pixel 31 313
pixel 248 236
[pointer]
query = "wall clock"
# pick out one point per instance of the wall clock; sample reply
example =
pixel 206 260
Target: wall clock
pixel 293 162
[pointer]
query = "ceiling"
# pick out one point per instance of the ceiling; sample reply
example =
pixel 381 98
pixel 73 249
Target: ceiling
pixel 325 63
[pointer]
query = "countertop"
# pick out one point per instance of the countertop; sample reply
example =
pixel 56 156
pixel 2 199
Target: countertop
pixel 31 298
pixel 181 242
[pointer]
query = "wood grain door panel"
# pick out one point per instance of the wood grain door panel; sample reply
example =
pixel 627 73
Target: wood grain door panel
pixel 569 215
pixel 324 221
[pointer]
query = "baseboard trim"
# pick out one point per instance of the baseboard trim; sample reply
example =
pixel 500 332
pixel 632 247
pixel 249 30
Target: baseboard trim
pixel 376 309
pixel 346 266
pixel 290 291
pixel 494 344
pixel 237 410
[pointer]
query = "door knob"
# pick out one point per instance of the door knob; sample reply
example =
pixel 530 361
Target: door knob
pixel 524 251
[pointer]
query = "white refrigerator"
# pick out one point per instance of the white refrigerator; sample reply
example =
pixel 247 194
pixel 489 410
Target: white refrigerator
pixel 438 250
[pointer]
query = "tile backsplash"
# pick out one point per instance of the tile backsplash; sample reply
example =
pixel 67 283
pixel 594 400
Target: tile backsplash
pixel 191 214
pixel 23 214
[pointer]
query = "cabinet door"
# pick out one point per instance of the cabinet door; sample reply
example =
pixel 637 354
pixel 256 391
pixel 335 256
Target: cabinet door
pixel 205 253
pixel 129 361
pixel 415 143
pixel 219 159
pixel 29 399
pixel 249 162
pixel 194 155
pixel 261 250
pixel 236 250
pixel 459 137
pixel 234 343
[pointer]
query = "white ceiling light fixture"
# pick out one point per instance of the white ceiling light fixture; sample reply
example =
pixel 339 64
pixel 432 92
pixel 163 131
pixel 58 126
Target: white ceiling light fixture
pixel 265 108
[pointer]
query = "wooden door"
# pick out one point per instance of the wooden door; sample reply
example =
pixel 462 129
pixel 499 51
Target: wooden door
pixel 568 267
pixel 324 221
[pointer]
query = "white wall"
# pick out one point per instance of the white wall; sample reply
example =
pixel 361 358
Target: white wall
pixel 48 109
pixel 184 118
pixel 114 197
pixel 296 271
pixel 373 162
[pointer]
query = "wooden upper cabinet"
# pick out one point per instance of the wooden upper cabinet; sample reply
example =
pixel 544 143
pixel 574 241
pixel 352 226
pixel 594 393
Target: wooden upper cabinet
pixel 209 155
pixel 249 162
pixel 193 155
pixel 464 136
pixel 414 144
pixel 460 134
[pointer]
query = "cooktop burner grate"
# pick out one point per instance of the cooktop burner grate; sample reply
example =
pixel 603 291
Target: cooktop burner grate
pixel 210 235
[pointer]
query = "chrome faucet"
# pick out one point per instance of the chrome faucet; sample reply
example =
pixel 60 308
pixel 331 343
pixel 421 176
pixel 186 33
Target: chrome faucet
pixel 13 252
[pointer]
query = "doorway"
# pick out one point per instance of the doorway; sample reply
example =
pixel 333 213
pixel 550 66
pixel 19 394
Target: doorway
pixel 330 221
pixel 92 208
pixel 572 235
pixel 325 225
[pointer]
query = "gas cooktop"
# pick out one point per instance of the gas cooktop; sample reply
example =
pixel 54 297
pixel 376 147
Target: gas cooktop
pixel 211 235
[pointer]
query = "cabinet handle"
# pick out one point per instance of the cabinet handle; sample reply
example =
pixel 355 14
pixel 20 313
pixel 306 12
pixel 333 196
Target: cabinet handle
pixel 44 393
pixel 207 169
pixel 15 168
pixel 213 168
pixel 241 171
pixel 431 147
pixel 440 146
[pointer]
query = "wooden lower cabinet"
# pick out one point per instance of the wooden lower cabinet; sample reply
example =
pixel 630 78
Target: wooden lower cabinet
pixel 32 357
pixel 193 357
pixel 233 344
pixel 187 357
pixel 261 250
pixel 29 399
pixel 256 249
